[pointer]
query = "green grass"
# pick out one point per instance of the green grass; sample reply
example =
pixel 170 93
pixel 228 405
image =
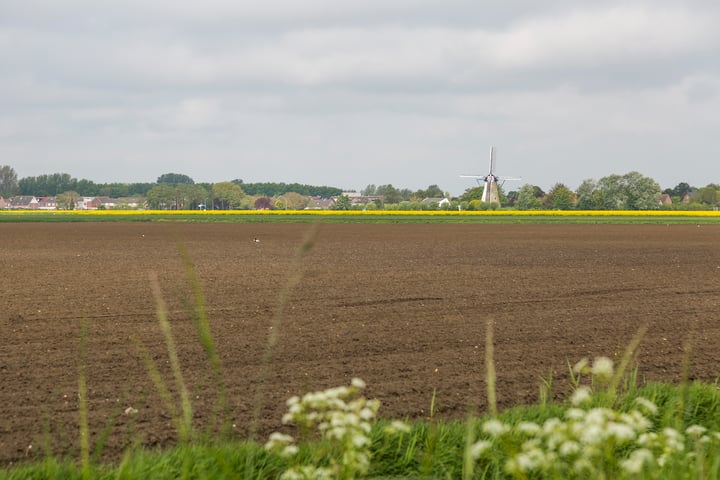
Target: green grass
pixel 389 217
pixel 430 450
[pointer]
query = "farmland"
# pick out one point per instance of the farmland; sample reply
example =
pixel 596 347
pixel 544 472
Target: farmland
pixel 402 306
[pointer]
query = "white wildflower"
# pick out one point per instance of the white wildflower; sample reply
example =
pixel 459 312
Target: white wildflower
pixel 569 448
pixel 575 414
pixel 648 407
pixel 620 432
pixel 527 461
pixel 495 428
pixel 592 435
pixel 581 395
pixel 582 466
pixel 357 383
pixel 637 460
pixel 551 425
pixel 289 451
pixel 528 428
pixel 602 369
pixel 581 366
pixel 478 448
pixel 278 440
pixel 636 420
pixel 367 413
pixel 696 431
pixel 396 426
pixel 674 441
pixel 360 441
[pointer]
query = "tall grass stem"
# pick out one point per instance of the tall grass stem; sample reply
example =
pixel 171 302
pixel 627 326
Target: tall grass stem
pixel 490 375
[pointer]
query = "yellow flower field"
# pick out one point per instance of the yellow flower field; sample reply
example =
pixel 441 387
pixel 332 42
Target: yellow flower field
pixel 371 213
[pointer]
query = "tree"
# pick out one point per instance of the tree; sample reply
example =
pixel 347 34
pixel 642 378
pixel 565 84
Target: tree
pixel 642 193
pixel 47 185
pixel 526 198
pixel 189 196
pixel 87 188
pixel 263 203
pixel 67 200
pixel 161 197
pixel 342 203
pixel 708 195
pixel 368 191
pixel 632 191
pixel 8 181
pixel 175 179
pixel 295 201
pixel 227 195
pixel 391 194
pixel 559 198
pixel 587 199
pixel 679 191
pixel 433 191
pixel 474 193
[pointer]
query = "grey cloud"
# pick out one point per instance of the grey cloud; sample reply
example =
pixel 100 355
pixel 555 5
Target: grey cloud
pixel 350 93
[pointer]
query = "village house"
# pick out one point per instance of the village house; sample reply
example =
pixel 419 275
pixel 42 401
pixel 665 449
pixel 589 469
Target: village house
pixel 320 203
pixel 358 199
pixel 47 203
pixel 24 202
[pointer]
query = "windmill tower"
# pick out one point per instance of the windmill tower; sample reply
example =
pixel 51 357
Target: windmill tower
pixel 490 181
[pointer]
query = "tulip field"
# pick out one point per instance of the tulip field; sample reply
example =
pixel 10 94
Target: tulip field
pixel 297 307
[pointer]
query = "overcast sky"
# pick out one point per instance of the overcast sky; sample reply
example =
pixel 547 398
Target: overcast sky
pixel 348 93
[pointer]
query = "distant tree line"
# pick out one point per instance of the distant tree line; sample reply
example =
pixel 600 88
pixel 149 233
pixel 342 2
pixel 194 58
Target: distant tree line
pixel 270 189
pixel 631 191
pixel 57 183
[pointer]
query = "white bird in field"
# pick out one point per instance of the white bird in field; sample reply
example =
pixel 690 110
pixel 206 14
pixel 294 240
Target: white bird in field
pixel 256 240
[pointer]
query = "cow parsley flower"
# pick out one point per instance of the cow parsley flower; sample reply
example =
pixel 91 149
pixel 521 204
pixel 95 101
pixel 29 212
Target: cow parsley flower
pixel 602 369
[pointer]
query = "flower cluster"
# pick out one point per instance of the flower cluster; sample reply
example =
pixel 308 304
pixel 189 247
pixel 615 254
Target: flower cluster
pixel 591 442
pixel 343 417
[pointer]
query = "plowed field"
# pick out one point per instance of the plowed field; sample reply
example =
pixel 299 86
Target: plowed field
pixel 404 307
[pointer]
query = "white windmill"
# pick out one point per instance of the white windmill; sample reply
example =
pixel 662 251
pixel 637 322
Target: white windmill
pixel 490 188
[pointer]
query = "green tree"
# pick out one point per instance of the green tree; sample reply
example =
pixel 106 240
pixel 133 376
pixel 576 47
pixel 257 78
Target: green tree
pixel 87 188
pixel 161 197
pixel 405 194
pixel 587 199
pixel 559 198
pixel 391 194
pixel 369 190
pixel 474 193
pixel 67 200
pixel 433 191
pixel 342 203
pixel 175 179
pixel 632 191
pixel 643 193
pixel 189 196
pixel 708 195
pixel 295 201
pixel 679 191
pixel 227 195
pixel 8 181
pixel 47 185
pixel 526 198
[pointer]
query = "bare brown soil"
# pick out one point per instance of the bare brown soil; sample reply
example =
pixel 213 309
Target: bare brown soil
pixel 404 307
